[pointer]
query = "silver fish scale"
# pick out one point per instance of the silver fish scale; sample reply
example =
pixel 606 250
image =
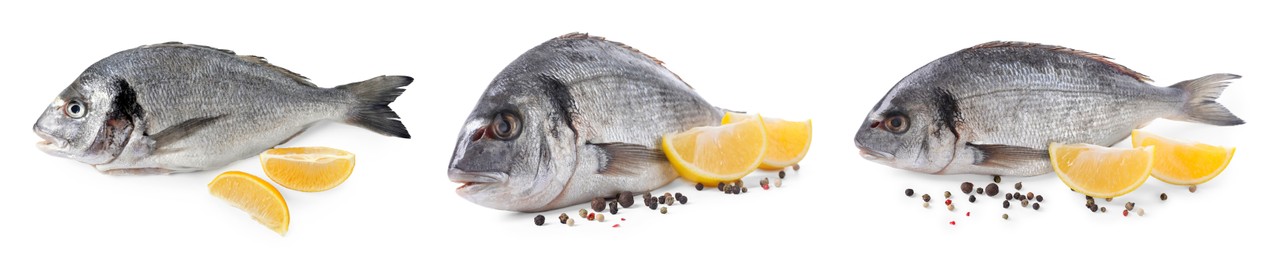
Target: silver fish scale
pixel 1031 106
pixel 259 107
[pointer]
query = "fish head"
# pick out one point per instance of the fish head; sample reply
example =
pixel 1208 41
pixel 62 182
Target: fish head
pixel 87 122
pixel 907 130
pixel 516 150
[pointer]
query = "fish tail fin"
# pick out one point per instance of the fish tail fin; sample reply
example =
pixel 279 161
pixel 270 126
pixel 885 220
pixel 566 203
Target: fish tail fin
pixel 1201 100
pixel 371 110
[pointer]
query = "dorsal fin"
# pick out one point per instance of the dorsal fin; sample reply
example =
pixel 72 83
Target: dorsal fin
pixel 292 75
pixel 578 35
pixel 248 58
pixel 1103 59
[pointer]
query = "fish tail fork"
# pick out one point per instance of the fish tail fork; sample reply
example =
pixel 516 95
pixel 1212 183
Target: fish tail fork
pixel 1201 100
pixel 373 97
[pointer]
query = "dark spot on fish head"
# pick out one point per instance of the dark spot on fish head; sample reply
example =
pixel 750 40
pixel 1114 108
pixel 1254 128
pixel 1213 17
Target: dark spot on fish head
pixel 515 151
pixel 899 133
pixel 90 121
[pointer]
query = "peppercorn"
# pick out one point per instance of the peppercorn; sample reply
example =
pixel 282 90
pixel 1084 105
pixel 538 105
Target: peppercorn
pixel 662 199
pixel 597 204
pixel 626 199
pixel 910 192
pixel 948 202
pixel 682 200
pixel 951 207
pixel 591 216
pixel 764 184
pixel 1093 207
pixel 1008 196
pixel 972 198
pixel 777 183
pixel 648 195
pixel 966 187
pixel 1035 206
pixel 1005 216
pixel 582 213
pixel 569 222
pixel 1030 195
pixel 737 191
pixel 1104 209
pixel 600 217
pixel 926 205
pixel 1006 204
pixel 1129 205
pixel 653 204
pixel 563 217
pixel 980 191
pixel 997 178
pixel 925 197
pixel 1126 213
pixel 671 201
pixel 1192 188
pixel 1164 196
pixel 1017 186
pixel 795 167
pixel 782 174
pixel 1017 195
pixel 946 194
pixel 720 186
pixel 697 186
pixel 1142 212
pixel 1108 199
pixel 1024 203
pixel 737 183
pixel 539 219
pixel 993 189
pixel 1039 198
pixel 744 189
pixel 663 210
pixel 613 207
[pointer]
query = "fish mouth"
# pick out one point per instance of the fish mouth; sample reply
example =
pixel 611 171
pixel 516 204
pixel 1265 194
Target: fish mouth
pixel 48 143
pixel 474 181
pixel 873 155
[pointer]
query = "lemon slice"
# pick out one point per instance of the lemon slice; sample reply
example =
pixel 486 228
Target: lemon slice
pixel 1100 171
pixel 788 140
pixel 254 196
pixel 1184 163
pixel 309 169
pixel 710 155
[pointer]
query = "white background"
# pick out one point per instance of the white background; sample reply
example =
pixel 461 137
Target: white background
pixel 791 59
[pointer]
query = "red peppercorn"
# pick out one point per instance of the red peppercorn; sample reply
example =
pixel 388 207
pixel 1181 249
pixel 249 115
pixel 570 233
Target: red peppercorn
pixel 617 225
pixel 624 219
pixel 591 216
pixel 953 222
pixel 948 202
pixel 966 214
pixel 1126 213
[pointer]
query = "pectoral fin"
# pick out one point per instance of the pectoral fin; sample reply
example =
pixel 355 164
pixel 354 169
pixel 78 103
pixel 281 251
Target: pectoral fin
pixel 1005 156
pixel 625 158
pixel 182 130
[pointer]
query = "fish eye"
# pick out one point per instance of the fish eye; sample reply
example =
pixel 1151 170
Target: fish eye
pixel 896 124
pixel 74 109
pixel 505 126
